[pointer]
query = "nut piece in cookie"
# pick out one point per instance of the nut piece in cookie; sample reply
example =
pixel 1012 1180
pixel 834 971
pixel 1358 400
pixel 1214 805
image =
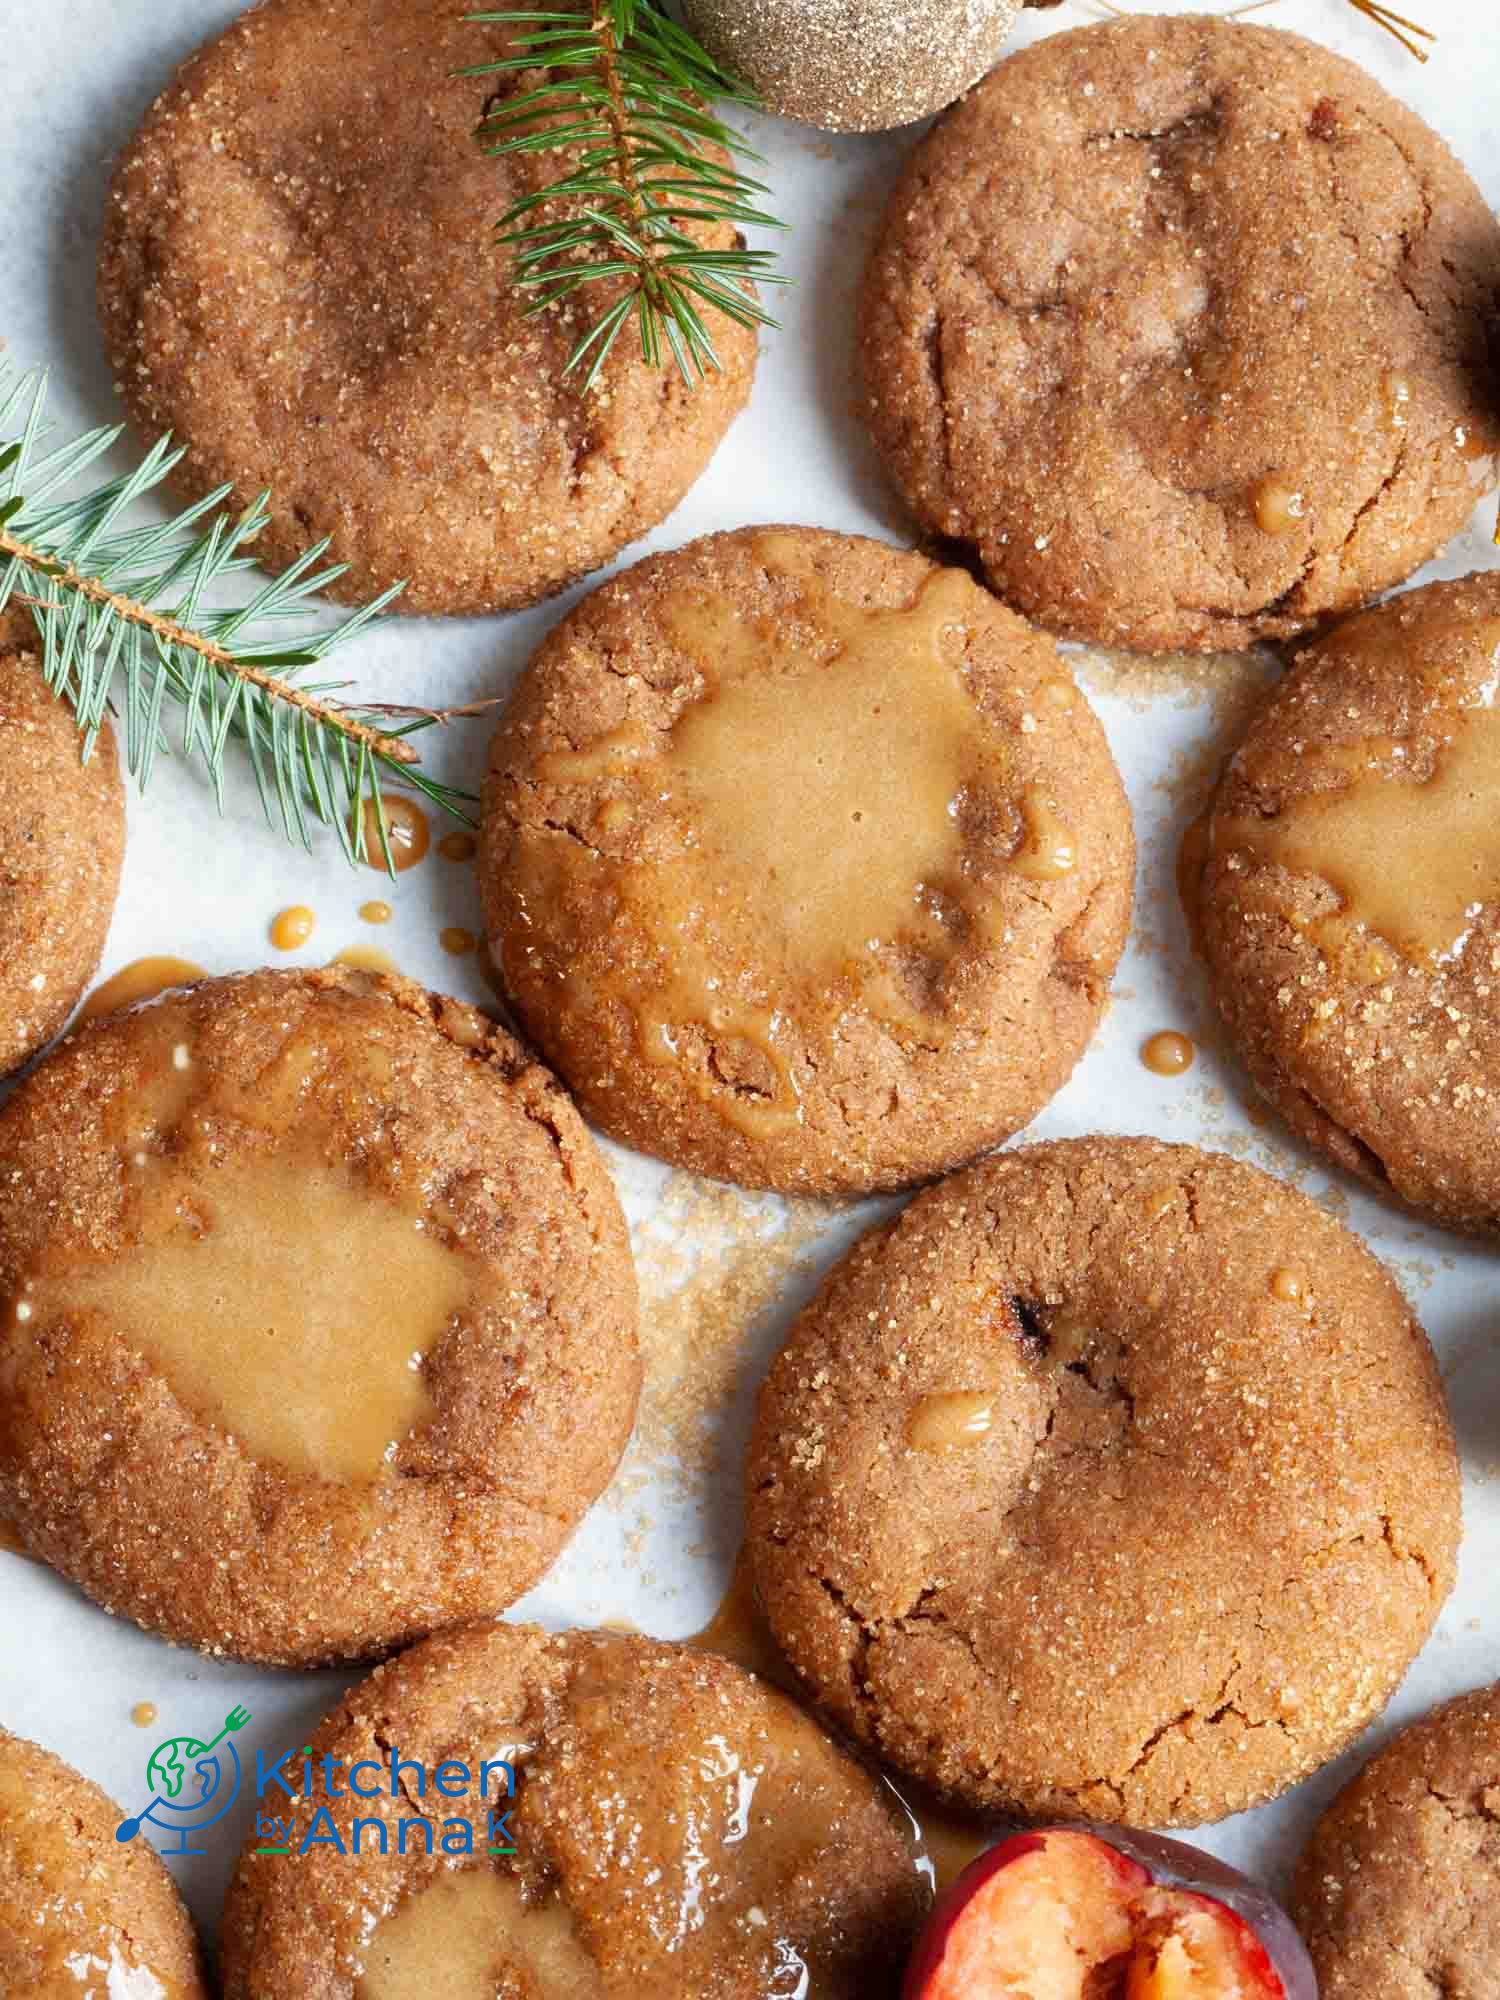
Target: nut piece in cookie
pixel 1347 899
pixel 62 840
pixel 804 861
pixel 1398 1890
pixel 673 1829
pixel 1189 330
pixel 317 1315
pixel 80 1912
pixel 298 278
pixel 1064 1500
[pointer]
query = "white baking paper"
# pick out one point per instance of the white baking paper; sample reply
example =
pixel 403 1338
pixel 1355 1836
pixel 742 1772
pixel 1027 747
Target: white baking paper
pixel 75 77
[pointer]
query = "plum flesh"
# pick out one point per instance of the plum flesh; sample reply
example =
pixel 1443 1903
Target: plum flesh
pixel 1066 1914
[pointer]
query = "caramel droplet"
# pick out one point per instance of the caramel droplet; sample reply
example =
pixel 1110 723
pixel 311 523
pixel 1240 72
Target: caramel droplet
pixel 143 1714
pixel 1276 505
pixel 141 980
pixel 456 941
pixel 1168 1054
pixel 1290 1287
pixel 458 846
pixel 375 913
pixel 292 928
pixel 945 1422
pixel 1048 849
pixel 406 829
pixel 365 958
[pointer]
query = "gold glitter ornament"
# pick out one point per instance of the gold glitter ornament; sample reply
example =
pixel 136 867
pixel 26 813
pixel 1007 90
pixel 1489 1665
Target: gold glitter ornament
pixel 854 65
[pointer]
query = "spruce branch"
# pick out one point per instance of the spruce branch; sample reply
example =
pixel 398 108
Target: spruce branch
pixel 122 623
pixel 628 94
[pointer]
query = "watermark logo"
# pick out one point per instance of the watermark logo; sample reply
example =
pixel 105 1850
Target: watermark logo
pixel 454 1808
pixel 192 1785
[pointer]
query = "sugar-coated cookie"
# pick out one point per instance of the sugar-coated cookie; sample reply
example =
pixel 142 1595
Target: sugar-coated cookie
pixel 1344 889
pixel 299 278
pixel 804 861
pixel 1112 1480
pixel 677 1831
pixel 62 841
pixel 1188 330
pixel 1398 1891
pixel 80 1912
pixel 317 1315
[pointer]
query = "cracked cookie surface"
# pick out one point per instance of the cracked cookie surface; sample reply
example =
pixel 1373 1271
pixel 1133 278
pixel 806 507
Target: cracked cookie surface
pixel 681 1831
pixel 298 279
pixel 1344 890
pixel 317 1315
pixel 1113 1479
pixel 1189 331
pixel 1397 1894
pixel 804 861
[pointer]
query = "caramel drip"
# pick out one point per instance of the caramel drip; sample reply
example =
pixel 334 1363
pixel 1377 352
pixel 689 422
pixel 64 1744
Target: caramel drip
pixel 291 929
pixel 1413 862
pixel 943 1843
pixel 1048 850
pixel 286 1300
pixel 848 815
pixel 142 979
pixel 376 913
pixel 365 958
pixel 738 1631
pixel 143 1714
pixel 406 829
pixel 458 846
pixel 950 1420
pixel 1168 1053
pixel 458 943
pixel 471 1934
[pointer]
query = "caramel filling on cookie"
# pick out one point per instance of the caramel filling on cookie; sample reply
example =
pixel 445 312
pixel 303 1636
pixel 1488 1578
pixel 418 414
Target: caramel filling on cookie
pixel 844 822
pixel 1413 862
pixel 285 1300
pixel 470 1935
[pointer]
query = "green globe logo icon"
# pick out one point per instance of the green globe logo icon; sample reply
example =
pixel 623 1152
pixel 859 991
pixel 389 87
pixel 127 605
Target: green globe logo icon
pixel 193 1783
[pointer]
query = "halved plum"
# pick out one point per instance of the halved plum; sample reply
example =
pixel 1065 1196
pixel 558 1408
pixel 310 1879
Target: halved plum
pixel 1066 1914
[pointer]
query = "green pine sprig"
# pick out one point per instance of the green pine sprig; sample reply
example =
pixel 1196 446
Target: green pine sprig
pixel 123 625
pixel 629 94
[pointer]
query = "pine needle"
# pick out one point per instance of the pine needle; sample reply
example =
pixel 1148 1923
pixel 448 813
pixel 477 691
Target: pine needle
pixel 123 626
pixel 1397 25
pixel 628 93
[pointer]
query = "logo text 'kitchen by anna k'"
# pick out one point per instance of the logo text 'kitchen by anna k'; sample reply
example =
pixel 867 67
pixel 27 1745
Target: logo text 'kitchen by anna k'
pixel 423 1827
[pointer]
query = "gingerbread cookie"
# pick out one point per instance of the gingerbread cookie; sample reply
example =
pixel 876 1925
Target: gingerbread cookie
pixel 80 1912
pixel 677 1831
pixel 299 278
pixel 1398 1891
pixel 1189 331
pixel 804 861
pixel 62 841
pixel 1345 892
pixel 1112 1480
pixel 317 1320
